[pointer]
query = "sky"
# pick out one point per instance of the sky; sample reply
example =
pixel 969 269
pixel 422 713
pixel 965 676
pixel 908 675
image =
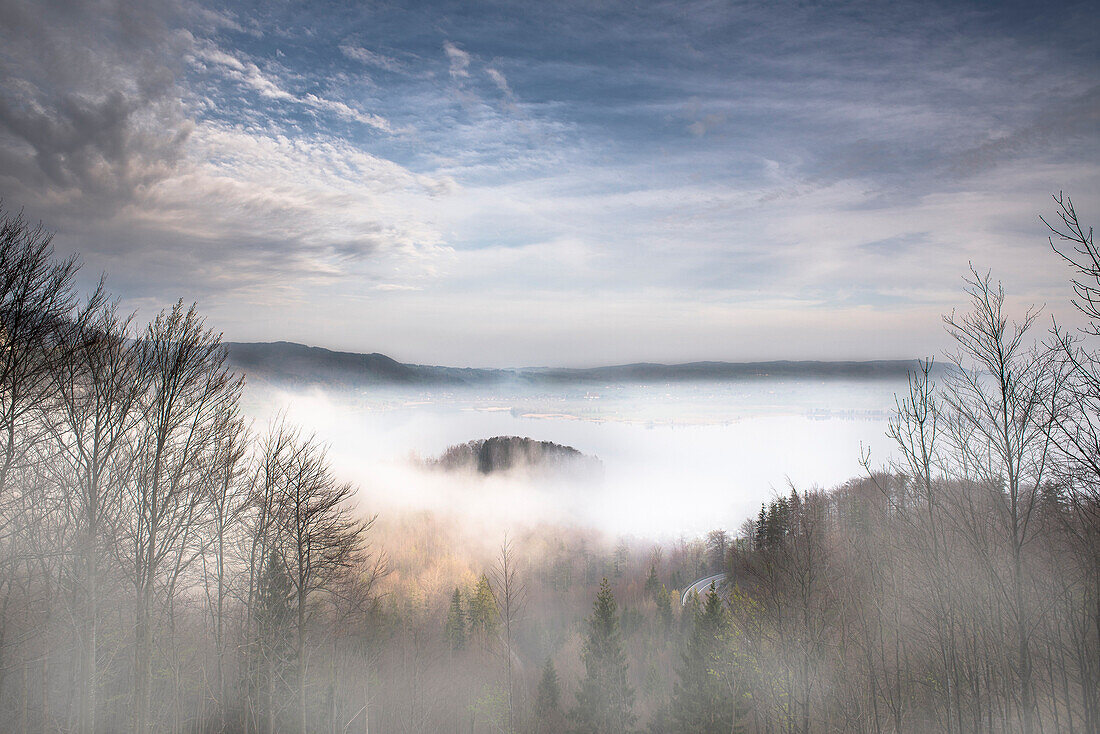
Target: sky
pixel 556 183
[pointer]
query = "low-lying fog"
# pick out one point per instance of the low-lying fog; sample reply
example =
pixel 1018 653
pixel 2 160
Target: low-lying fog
pixel 681 458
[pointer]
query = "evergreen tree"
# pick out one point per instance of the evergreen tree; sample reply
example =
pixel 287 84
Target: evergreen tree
pixel 702 702
pixel 622 554
pixel 664 608
pixel 275 612
pixel 717 546
pixel 605 701
pixel 455 627
pixel 778 525
pixel 661 721
pixel 794 512
pixel 482 621
pixel 760 533
pixel 548 713
pixel 275 609
pixel 652 583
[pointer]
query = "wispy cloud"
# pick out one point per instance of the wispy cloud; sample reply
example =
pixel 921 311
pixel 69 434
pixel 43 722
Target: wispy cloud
pixel 497 77
pixel 249 74
pixel 371 58
pixel 459 60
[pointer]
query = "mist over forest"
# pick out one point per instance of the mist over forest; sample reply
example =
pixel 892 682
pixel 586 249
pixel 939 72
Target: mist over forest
pixel 185 553
pixel 571 367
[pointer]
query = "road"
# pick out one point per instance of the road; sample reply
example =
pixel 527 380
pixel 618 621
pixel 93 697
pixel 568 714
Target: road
pixel 700 587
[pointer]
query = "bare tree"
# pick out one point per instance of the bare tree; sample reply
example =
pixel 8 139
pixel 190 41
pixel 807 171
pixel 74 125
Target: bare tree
pixel 99 384
pixel 261 539
pixel 352 604
pixel 999 431
pixel 1076 433
pixel 320 534
pixel 190 388
pixel 510 595
pixel 226 492
pixel 37 299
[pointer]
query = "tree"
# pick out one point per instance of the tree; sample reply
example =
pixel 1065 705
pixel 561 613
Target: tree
pixel 98 383
pixel 652 583
pixel 226 495
pixel 455 626
pixel 605 701
pixel 703 700
pixel 482 611
pixel 717 547
pixel 999 431
pixel 1076 435
pixel 37 303
pixel 549 717
pixel 191 390
pixel 37 300
pixel 274 616
pixel 321 535
pixel 509 595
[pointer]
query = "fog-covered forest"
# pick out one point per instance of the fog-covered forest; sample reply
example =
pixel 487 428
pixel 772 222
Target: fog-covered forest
pixel 168 566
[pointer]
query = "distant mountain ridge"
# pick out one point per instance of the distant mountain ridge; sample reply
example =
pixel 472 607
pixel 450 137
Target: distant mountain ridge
pixel 297 364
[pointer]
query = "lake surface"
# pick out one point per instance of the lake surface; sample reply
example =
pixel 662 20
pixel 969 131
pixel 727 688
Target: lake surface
pixel 678 458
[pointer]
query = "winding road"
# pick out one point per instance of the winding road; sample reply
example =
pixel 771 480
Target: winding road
pixel 700 586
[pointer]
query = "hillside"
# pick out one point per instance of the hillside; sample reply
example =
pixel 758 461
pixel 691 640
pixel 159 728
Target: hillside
pixel 296 364
pixel 508 453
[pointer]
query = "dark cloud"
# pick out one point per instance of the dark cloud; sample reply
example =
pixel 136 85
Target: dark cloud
pixel 89 108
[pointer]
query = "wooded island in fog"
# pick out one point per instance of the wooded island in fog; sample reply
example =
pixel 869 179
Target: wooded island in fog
pixel 169 566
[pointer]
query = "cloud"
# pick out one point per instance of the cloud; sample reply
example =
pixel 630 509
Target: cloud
pixel 670 168
pixel 371 58
pixel 347 112
pixel 249 74
pixel 90 123
pixel 310 209
pixel 106 136
pixel 459 60
pixel 499 80
pixel 706 123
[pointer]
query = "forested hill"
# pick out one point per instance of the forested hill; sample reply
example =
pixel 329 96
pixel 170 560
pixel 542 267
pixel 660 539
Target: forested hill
pixel 506 453
pixel 296 364
pixel 290 363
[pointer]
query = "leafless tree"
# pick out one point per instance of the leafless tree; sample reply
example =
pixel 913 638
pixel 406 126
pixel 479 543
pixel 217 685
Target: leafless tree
pixel 190 387
pixel 322 538
pixel 226 491
pixel 99 384
pixel 510 595
pixel 998 398
pixel 1076 433
pixel 37 298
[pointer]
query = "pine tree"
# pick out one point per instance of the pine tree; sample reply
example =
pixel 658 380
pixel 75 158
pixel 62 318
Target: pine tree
pixel 275 609
pixel 760 534
pixel 605 701
pixel 274 631
pixel 702 702
pixel 455 627
pixel 482 611
pixel 622 554
pixel 548 713
pixel 778 526
pixel 652 583
pixel 664 609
